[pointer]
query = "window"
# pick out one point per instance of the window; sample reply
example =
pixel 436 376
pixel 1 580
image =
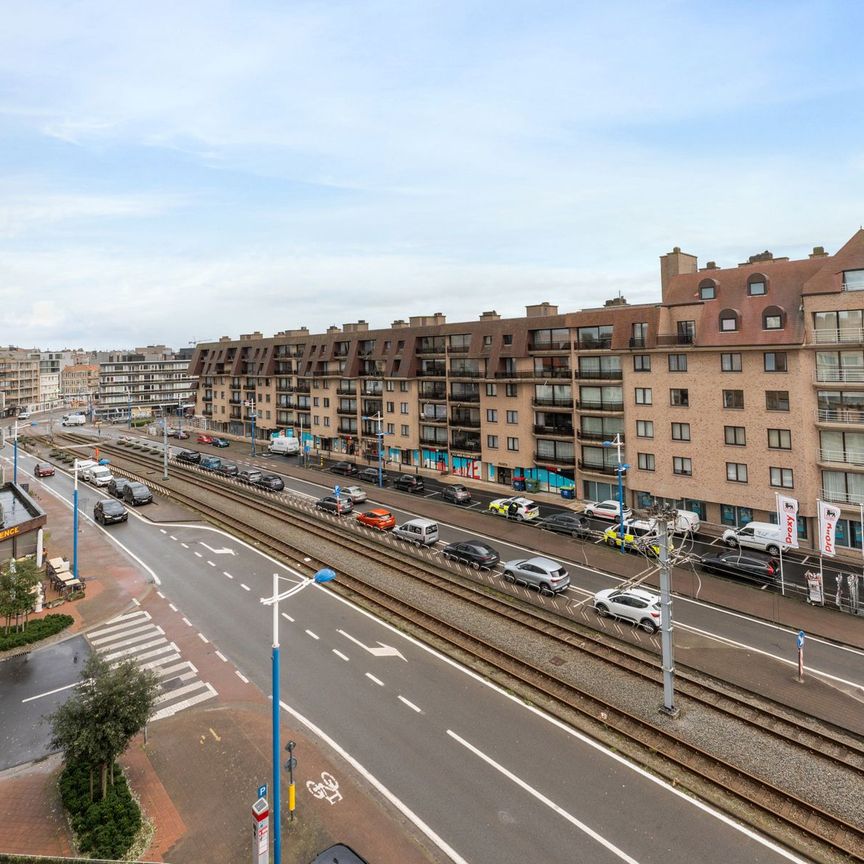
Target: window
pixel 491 415
pixel 403 386
pixel 509 389
pixel 707 289
pixel 645 461
pixel 853 280
pixel 677 362
pixel 315 402
pixel 391 407
pixel 756 286
pixel 400 345
pixel 492 441
pixel 781 477
pixel 326 401
pixel 735 516
pixel 686 332
pixel 638 334
pixel 508 339
pixel 736 472
pixel 728 320
pixel 641 362
pixel 487 341
pixel 735 436
pixel 780 439
pixel 682 465
pixel 772 319
pixel 679 397
pixel 644 428
pixel 595 337
pixel 316 420
pixel 513 444
pixel 326 421
pixel 643 396
pixel 491 389
pixel 403 407
pixel 512 416
pixel 730 362
pixel 733 398
pixel 775 361
pixel 777 400
pixel 680 431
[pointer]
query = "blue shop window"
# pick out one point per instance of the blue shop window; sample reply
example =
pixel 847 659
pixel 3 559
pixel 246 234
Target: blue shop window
pixel 644 500
pixel 848 534
pixel 802 525
pixel 735 516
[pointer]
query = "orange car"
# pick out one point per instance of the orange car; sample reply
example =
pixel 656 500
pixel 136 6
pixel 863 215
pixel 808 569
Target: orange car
pixel 379 518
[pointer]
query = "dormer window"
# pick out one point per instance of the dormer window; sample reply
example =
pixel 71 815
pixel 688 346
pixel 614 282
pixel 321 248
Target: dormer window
pixel 773 318
pixel 728 321
pixel 708 290
pixel 757 285
pixel 853 280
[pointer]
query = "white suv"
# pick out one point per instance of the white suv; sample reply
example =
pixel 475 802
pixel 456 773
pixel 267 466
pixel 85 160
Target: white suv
pixel 632 604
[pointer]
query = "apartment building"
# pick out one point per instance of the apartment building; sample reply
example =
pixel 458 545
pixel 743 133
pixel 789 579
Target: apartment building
pixel 79 383
pixel 742 382
pixel 143 382
pixel 19 380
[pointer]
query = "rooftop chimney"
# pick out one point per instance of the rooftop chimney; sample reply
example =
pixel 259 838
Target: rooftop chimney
pixel 675 263
pixel 490 316
pixel 399 323
pixel 818 252
pixel 541 310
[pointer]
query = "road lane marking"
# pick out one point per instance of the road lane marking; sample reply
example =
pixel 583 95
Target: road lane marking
pixel 411 705
pixel 172 607
pixel 50 692
pixel 245 587
pixel 136 601
pixel 163 530
pixel 172 536
pixel 371 677
pixel 313 635
pixel 211 563
pixel 287 617
pixel 185 545
pixel 242 677
pixel 226 573
pixel 338 653
pixel 221 656
pixel 203 638
pixel 187 622
pixel 197 553
pixel 161 594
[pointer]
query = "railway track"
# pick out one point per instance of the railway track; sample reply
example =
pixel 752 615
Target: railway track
pixel 822 835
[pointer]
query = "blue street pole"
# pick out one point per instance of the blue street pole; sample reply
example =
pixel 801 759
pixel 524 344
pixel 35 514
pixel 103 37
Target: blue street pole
pixel 15 455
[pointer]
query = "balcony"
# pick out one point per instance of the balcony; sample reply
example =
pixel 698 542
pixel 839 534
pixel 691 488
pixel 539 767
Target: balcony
pixel 430 441
pixel 465 422
pixel 459 349
pixel 589 343
pixel 560 404
pixel 346 391
pixel 552 372
pixel 347 412
pixel 839 415
pixel 470 398
pixel 207 398
pixel 832 375
pixel 434 395
pixel 850 499
pixel 425 350
pixel 235 400
pixel 302 387
pixel 467 373
pixel 550 346
pixel 287 388
pixel 512 375
pixel 466 445
pixel 834 335
pixel 557 459
pixel 207 412
pixel 590 405
pixel 598 468
pixel 637 342
pixel 438 421
pixel 667 339
pixel 347 429
pixel 855 458
pixel 555 431
pixel 284 402
pixel 597 436
pixel 599 374
pixel 432 373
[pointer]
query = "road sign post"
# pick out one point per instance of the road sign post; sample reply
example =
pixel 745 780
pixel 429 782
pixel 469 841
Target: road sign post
pixel 260 831
pixel 799 641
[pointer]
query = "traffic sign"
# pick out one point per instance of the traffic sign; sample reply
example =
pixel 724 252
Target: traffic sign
pixel 291 763
pixel 799 639
pixel 262 791
pixel 336 490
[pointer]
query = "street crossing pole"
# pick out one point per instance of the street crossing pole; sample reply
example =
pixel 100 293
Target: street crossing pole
pixel 663 517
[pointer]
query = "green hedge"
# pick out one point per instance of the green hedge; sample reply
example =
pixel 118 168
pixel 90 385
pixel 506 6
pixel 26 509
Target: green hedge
pixel 40 628
pixel 103 829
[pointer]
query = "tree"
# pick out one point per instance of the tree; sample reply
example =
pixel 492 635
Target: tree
pixel 110 707
pixel 17 581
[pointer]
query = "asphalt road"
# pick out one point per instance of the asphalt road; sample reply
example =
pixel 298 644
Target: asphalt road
pixel 32 686
pixel 492 779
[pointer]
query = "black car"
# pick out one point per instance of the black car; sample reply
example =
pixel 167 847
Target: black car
pixel 221 442
pixel 193 457
pixel 332 504
pixel 117 485
pixel 742 563
pixel 349 469
pixel 228 469
pixel 474 552
pixel 566 523
pixel 108 511
pixel 249 475
pixel 457 493
pixel 272 481
pixel 137 493
pixel 409 483
pixel 370 475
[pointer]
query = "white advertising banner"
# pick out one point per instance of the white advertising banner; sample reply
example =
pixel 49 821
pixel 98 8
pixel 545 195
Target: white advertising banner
pixel 787 519
pixel 828 516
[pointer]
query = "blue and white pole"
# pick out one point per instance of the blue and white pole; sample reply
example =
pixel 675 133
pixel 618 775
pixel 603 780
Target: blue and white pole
pixel 15 454
pixel 75 524
pixel 620 469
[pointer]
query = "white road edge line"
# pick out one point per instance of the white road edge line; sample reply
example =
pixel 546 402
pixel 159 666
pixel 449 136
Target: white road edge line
pixel 50 692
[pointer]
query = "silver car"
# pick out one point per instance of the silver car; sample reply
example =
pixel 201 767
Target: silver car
pixel 457 493
pixel 544 574
pixel 355 493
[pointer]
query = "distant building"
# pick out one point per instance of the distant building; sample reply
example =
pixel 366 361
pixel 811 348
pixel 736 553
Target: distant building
pixel 79 383
pixel 19 380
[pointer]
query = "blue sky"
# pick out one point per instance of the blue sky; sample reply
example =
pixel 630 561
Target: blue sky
pixel 179 171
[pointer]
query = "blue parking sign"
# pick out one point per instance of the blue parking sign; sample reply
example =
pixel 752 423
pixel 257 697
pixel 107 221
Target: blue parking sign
pixel 799 639
pixel 262 791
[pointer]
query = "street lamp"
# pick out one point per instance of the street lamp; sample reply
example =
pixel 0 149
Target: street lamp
pixel 323 575
pixel 619 470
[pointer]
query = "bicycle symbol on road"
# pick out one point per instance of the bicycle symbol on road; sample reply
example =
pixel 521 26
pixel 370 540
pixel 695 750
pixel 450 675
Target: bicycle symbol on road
pixel 326 787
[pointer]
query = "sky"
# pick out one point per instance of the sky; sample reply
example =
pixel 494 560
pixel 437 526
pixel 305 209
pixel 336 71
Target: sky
pixel 175 172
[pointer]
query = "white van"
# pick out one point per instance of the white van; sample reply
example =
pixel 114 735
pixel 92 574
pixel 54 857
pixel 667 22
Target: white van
pixel 423 532
pixel 74 420
pixel 84 465
pixel 98 475
pixel 687 522
pixel 757 535
pixel 284 446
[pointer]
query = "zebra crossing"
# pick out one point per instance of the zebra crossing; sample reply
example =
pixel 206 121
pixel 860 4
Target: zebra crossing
pixel 135 636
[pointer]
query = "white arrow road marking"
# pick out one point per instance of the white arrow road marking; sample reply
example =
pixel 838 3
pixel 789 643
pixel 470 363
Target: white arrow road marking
pixel 223 551
pixel 383 651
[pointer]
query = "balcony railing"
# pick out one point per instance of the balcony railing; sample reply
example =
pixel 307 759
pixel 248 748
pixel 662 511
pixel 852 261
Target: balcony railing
pixel 597 436
pixel 557 431
pixel 437 420
pixel 666 339
pixel 591 405
pixel 459 349
pixel 549 346
pixel 637 342
pixel 425 349
pixel 846 457
pixel 597 467
pixel 551 372
pixel 512 375
pixel 467 373
pixel 347 429
pixel 434 395
pixel 589 343
pixel 469 445
pixel 600 374
pixel 839 415
pixel 346 391
pixel 556 459
pixel 832 375
pixel 465 422
pixel 347 412
pixel 540 402
pixel 833 335
pixel 465 397
pixel 850 498
pixel 431 373
pixel 433 442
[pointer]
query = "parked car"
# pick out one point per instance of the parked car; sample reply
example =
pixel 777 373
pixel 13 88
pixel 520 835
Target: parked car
pixel 249 475
pixel 355 493
pixel 23 415
pixel 520 509
pixel 634 540
pixel 228 469
pixel 474 552
pixel 573 524
pixel 742 563
pixel 764 536
pixel 422 532
pixel 544 574
pixel 457 493
pixel 273 482
pixel 137 493
pixel 109 511
pixel 221 442
pixel 637 605
pixel 379 518
pixel 117 485
pixel 349 469
pixel 409 483
pixel 607 509
pixel 204 439
pixel 177 433
pixel 193 457
pixel 335 504
pixel 370 475
pixel 210 463
pixel 42 469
